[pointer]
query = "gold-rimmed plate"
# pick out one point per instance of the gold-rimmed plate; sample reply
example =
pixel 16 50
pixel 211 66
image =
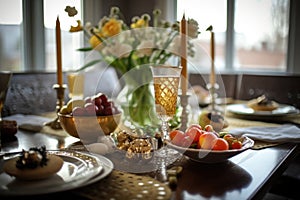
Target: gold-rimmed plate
pixel 244 110
pixel 79 169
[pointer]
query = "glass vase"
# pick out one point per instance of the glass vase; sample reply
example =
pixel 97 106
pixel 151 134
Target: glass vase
pixel 137 98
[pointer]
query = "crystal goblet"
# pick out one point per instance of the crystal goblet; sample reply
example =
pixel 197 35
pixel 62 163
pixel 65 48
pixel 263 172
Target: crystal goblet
pixel 166 81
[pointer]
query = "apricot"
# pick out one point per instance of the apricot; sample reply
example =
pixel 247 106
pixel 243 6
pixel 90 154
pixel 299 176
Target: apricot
pixel 207 140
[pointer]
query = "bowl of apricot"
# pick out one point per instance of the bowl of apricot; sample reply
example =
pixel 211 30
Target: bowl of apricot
pixel 207 146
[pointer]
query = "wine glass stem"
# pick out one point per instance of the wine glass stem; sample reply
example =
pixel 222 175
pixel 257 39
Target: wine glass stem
pixel 164 129
pixel 163 171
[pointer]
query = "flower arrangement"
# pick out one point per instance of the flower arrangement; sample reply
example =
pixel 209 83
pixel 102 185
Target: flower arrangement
pixel 124 47
pixel 131 49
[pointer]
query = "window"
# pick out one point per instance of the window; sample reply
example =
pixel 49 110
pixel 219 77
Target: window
pixel 10 34
pixel 71 58
pixel 262 41
pixel 257 31
pixel 35 48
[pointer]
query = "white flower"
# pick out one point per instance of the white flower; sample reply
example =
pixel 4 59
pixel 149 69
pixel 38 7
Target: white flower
pixel 102 21
pixel 145 48
pixel 192 28
pixel 118 50
pixel 88 27
pixel 175 45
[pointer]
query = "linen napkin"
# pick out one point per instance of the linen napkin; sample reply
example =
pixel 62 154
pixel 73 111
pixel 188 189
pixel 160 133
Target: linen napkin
pixel 34 123
pixel 278 134
pixel 28 122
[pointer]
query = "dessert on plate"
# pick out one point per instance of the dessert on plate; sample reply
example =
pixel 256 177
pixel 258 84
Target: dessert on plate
pixel 262 103
pixel 34 164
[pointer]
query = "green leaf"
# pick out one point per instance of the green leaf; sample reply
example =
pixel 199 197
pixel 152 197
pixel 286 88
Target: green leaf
pixel 85 49
pixel 89 64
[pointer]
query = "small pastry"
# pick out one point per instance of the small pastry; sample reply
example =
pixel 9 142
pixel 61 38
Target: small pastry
pixel 262 103
pixel 136 148
pixel 34 164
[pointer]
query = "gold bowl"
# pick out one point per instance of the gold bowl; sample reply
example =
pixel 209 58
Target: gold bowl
pixel 89 127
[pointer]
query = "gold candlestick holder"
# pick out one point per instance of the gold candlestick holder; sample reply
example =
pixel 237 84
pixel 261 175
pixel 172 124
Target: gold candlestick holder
pixel 60 92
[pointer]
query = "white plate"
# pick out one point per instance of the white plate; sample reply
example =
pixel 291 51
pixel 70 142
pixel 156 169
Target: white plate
pixel 79 169
pixel 243 109
pixel 107 168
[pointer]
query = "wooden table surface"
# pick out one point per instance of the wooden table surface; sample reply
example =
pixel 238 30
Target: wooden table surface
pixel 245 176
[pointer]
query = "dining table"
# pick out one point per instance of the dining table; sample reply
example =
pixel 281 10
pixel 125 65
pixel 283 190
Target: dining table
pixel 248 175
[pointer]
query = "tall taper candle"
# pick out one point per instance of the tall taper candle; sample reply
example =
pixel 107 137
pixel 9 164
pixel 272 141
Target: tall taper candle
pixel 184 80
pixel 212 50
pixel 58 53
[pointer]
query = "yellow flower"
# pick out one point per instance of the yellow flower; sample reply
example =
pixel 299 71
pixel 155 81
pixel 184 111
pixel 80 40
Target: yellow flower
pixel 140 23
pixel 111 28
pixel 95 41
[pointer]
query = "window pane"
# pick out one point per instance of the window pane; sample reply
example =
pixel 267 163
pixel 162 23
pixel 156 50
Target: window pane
pixel 206 13
pixel 71 58
pixel 10 34
pixel 261 34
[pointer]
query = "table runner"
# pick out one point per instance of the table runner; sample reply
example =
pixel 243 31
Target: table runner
pixel 123 185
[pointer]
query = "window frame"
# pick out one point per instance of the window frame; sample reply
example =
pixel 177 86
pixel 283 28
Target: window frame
pixel 293 61
pixel 33 36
